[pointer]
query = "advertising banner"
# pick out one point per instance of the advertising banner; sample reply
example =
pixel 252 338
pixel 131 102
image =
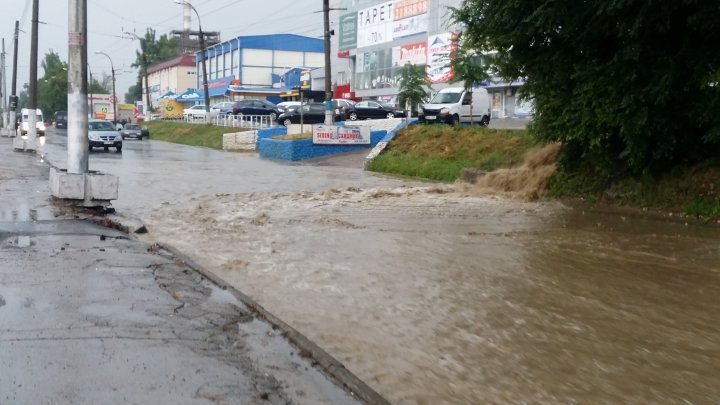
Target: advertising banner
pixel 408 8
pixel 415 54
pixel 375 25
pixel 348 32
pixel 171 109
pixel 341 135
pixel 439 48
pixel 410 26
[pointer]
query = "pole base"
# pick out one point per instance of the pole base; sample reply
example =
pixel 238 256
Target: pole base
pixel 23 145
pixel 92 189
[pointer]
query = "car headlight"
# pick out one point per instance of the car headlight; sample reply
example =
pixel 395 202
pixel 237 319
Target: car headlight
pixel 94 137
pixel 118 137
pixel 445 111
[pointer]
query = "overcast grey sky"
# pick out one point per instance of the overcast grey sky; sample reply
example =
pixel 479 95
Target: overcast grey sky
pixel 107 20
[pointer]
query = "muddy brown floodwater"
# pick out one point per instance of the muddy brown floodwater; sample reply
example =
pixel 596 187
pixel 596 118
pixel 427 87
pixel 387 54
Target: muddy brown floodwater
pixel 445 298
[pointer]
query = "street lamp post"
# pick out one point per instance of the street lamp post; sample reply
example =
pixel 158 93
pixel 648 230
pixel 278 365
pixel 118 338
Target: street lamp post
pixel 148 106
pixel 202 53
pixel 114 99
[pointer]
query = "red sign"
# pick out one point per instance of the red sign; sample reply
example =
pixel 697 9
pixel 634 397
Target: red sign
pixel 343 54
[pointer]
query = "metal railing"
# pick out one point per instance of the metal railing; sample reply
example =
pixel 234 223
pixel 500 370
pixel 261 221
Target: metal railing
pixel 234 121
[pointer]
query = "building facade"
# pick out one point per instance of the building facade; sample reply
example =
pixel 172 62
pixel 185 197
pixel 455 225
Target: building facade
pixel 374 39
pixel 175 75
pixel 255 66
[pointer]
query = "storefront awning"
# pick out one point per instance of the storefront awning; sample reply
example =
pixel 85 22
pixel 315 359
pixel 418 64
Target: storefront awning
pixel 190 95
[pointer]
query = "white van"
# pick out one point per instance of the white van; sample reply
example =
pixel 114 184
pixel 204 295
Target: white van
pixel 24 125
pixel 452 106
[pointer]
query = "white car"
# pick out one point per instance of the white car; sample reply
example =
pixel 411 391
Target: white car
pixel 195 112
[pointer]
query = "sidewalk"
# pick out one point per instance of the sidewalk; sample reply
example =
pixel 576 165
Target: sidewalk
pixel 89 315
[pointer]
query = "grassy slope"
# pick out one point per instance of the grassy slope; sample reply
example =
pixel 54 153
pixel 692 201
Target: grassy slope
pixel 189 134
pixel 439 152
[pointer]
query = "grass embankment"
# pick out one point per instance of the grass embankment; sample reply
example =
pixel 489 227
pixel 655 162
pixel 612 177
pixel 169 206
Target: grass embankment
pixel 209 136
pixel 439 152
pixel 693 191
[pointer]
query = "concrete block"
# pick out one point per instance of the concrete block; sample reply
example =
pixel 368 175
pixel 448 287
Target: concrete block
pixel 24 145
pixel 240 141
pixel 65 185
pixel 7 132
pixel 91 188
pixel 101 186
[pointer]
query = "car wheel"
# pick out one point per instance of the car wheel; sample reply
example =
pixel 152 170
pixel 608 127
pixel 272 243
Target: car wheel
pixel 287 122
pixel 353 116
pixel 391 115
pixel 455 120
pixel 485 121
pixel 118 149
pixel 273 117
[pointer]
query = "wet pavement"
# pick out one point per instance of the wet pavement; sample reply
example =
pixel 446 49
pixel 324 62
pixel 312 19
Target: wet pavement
pixel 88 316
pixel 438 295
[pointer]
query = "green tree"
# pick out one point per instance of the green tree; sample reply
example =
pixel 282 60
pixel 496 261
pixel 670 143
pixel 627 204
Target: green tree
pixel 52 87
pixel 628 86
pixel 468 66
pixel 152 51
pixel 412 86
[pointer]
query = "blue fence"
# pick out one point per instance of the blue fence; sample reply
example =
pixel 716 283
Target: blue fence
pixel 300 149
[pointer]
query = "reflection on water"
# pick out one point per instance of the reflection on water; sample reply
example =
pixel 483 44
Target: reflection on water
pixel 442 299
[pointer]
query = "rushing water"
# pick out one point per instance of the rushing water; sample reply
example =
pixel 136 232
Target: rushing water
pixel 445 298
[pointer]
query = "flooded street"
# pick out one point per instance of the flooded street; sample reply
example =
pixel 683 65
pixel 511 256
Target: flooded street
pixel 444 298
pixel 438 296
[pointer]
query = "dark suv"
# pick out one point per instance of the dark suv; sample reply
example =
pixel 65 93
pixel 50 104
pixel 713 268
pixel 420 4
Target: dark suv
pixel 255 107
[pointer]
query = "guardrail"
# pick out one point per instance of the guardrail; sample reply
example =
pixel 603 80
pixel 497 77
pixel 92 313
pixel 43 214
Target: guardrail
pixel 234 121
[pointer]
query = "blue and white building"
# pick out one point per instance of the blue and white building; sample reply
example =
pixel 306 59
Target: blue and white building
pixel 255 66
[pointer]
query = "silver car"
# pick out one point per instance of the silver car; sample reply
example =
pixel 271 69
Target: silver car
pixel 102 133
pixel 131 131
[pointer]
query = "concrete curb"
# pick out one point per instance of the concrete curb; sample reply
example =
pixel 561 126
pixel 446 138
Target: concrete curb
pixel 331 366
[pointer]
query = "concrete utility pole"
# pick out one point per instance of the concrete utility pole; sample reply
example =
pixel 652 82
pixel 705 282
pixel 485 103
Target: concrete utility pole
pixel 202 53
pixel 13 91
pixel 89 87
pixel 32 91
pixel 328 70
pixel 77 133
pixel 3 87
pixel 76 183
pixel 112 70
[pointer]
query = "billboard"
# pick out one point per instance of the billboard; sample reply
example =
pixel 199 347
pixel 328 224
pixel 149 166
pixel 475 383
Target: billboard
pixel 375 25
pixel 341 135
pixel 348 32
pixel 415 54
pixel 410 17
pixel 439 49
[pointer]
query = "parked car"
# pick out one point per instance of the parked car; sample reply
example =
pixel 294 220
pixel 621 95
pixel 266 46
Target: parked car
pixel 24 123
pixel 342 106
pixel 286 106
pixel 102 133
pixel 194 112
pixel 61 119
pixel 313 113
pixel 223 108
pixel 131 131
pixel 365 110
pixel 256 107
